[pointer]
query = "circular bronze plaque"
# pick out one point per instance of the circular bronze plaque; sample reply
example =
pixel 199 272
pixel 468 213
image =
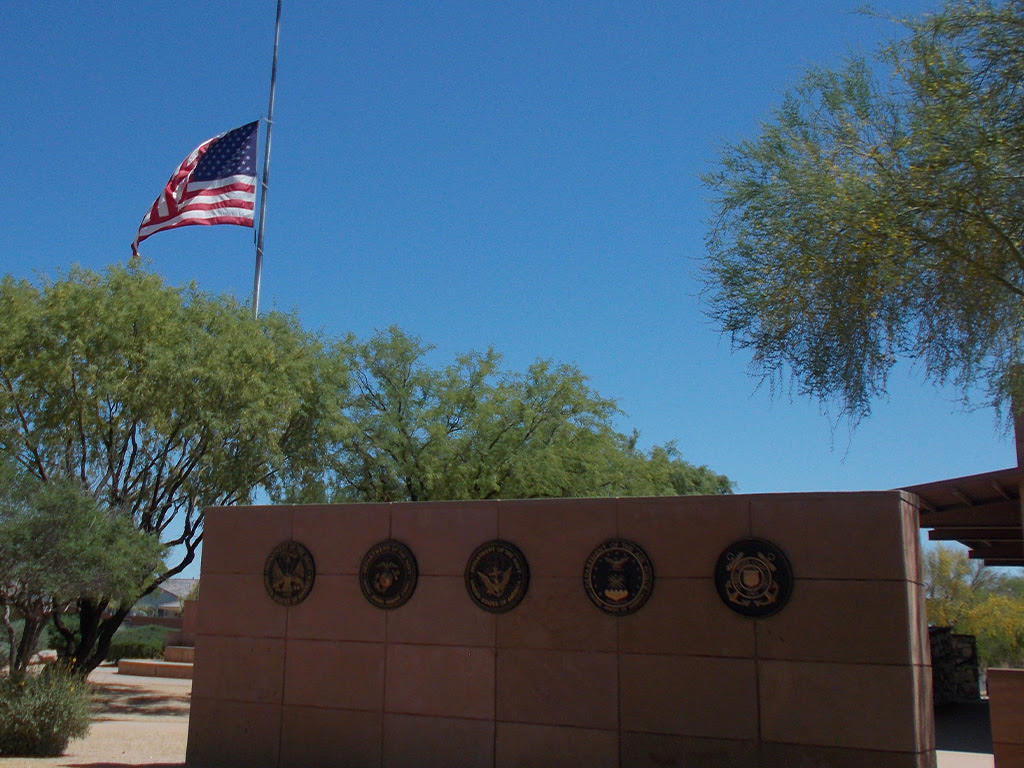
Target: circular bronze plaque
pixel 497 576
pixel 388 574
pixel 754 578
pixel 618 577
pixel 289 573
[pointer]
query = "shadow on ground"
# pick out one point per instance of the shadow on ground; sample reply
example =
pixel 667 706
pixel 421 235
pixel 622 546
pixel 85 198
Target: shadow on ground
pixel 113 701
pixel 963 727
pixel 124 765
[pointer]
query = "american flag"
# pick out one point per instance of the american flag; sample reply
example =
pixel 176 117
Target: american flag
pixel 215 184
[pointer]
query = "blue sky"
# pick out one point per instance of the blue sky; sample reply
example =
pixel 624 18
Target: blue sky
pixel 523 175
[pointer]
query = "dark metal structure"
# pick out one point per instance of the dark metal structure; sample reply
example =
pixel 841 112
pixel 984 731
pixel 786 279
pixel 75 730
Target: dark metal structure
pixel 982 512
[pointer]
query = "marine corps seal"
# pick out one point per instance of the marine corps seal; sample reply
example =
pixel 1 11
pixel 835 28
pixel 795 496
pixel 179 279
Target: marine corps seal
pixel 388 574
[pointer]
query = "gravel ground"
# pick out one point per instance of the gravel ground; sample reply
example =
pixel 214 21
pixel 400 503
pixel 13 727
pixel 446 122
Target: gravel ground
pixel 139 721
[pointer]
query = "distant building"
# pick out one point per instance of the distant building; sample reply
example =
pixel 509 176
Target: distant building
pixel 166 600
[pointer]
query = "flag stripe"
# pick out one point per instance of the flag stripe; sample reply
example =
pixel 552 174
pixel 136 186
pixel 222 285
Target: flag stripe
pixel 187 219
pixel 242 208
pixel 215 184
pixel 216 205
pixel 242 203
pixel 239 181
pixel 221 193
pixel 214 195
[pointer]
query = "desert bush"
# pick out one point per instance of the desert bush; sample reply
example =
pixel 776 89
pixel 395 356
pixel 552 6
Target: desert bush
pixel 40 714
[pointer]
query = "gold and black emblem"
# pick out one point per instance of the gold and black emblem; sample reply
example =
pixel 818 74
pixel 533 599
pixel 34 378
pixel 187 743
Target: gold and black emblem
pixel 289 573
pixel 754 578
pixel 618 577
pixel 388 574
pixel 497 576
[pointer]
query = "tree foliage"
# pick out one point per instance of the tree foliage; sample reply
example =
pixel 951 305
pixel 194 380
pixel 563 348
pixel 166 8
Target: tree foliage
pixel 954 584
pixel 879 215
pixel 157 401
pixel 471 430
pixel 974 600
pixel 58 546
pixel 154 402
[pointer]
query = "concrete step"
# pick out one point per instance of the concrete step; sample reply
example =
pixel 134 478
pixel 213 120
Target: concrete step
pixel 155 668
pixel 180 653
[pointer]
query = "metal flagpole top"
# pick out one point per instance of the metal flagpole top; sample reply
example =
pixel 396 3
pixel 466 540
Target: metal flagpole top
pixel 264 186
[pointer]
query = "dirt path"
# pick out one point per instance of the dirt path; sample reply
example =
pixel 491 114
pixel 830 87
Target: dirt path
pixel 139 721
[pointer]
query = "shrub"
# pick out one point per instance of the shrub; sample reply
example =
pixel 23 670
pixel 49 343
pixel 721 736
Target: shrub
pixel 40 714
pixel 145 642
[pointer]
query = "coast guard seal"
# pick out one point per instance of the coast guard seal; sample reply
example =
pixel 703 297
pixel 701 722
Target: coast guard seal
pixel 754 578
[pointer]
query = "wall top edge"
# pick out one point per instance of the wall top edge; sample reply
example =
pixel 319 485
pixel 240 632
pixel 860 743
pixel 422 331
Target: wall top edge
pixel 570 501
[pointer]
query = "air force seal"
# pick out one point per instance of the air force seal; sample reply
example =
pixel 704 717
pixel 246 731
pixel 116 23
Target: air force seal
pixel 618 577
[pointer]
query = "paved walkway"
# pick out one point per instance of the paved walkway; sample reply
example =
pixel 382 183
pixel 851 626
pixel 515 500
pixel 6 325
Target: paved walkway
pixel 964 736
pixel 964 760
pixel 143 721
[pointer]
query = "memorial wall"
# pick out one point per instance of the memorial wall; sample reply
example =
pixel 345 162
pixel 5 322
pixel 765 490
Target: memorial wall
pixel 711 631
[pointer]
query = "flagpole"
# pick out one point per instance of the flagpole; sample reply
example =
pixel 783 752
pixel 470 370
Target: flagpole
pixel 266 172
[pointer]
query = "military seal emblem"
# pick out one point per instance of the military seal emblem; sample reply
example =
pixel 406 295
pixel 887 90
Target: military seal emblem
pixel 288 573
pixel 497 576
pixel 618 577
pixel 388 574
pixel 754 578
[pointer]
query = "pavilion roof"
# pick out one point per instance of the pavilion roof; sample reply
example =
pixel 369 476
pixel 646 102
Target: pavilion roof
pixel 982 512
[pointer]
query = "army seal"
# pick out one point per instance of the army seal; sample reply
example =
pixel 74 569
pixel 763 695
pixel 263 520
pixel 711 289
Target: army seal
pixel 497 576
pixel 618 577
pixel 288 573
pixel 388 574
pixel 754 578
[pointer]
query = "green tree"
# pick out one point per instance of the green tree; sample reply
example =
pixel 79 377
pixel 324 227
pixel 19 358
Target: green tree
pixel 670 475
pixel 157 402
pixel 472 430
pixel 59 546
pixel 997 622
pixel 963 594
pixel 879 215
pixel 954 585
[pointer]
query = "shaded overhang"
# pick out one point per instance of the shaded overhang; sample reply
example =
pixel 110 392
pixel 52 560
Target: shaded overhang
pixel 983 512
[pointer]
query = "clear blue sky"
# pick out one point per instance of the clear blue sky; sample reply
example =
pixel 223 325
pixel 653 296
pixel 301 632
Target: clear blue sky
pixel 516 174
